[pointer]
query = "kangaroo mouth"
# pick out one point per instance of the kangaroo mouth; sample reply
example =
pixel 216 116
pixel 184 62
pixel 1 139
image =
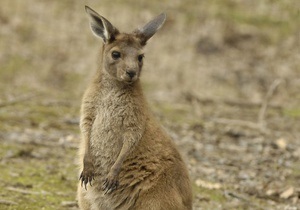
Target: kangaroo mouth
pixel 129 80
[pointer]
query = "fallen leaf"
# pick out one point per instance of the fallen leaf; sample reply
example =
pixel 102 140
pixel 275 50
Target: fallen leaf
pixel 287 193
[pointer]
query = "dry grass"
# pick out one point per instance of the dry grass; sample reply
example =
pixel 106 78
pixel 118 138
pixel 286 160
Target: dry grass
pixel 210 48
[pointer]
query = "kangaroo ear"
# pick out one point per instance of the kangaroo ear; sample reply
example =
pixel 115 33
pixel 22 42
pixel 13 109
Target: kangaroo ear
pixel 147 31
pixel 100 26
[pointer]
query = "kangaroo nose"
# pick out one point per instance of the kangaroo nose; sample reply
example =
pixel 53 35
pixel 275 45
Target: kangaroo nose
pixel 131 74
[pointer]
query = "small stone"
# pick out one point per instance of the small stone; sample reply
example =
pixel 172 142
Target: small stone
pixel 69 203
pixel 270 192
pixel 207 185
pixel 281 143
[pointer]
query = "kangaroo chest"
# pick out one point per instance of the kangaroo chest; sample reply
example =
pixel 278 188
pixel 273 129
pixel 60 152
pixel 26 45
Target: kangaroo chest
pixel 115 114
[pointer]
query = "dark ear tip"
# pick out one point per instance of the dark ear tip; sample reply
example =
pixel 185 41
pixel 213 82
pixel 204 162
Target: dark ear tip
pixel 163 16
pixel 88 9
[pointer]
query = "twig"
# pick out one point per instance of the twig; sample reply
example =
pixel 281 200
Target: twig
pixel 237 122
pixel 5 202
pixel 69 204
pixel 26 191
pixel 247 104
pixel 17 100
pixel 242 198
pixel 261 115
pixel 244 123
pixel 235 195
pixel 260 124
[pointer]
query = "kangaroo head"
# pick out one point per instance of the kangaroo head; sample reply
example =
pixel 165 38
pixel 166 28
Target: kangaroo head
pixel 123 53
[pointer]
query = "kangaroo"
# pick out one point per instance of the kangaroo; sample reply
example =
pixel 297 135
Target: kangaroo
pixel 127 161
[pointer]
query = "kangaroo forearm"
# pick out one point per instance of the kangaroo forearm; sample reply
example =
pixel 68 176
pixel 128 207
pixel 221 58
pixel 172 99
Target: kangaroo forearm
pixel 86 127
pixel 87 119
pixel 125 151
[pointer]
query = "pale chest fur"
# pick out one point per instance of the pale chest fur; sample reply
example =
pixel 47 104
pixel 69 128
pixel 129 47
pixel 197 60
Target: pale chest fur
pixel 116 113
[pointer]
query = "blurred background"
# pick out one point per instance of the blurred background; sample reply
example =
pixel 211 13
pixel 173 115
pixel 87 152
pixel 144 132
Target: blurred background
pixel 222 76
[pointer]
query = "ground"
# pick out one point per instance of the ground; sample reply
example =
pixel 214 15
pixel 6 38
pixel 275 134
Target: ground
pixel 222 77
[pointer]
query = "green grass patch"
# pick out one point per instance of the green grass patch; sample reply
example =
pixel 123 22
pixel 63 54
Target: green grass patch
pixel 211 194
pixel 31 114
pixel 37 183
pixel 294 113
pixel 12 67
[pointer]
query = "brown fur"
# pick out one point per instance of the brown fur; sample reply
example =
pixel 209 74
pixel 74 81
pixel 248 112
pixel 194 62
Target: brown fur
pixel 125 154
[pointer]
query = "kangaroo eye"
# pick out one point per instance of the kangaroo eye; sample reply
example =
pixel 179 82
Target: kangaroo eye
pixel 140 57
pixel 115 55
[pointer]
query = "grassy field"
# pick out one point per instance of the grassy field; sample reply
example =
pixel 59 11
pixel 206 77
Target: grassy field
pixel 222 76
